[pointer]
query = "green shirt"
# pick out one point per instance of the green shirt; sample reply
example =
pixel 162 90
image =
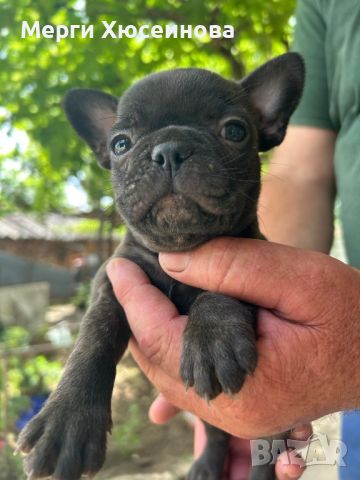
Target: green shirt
pixel 327 34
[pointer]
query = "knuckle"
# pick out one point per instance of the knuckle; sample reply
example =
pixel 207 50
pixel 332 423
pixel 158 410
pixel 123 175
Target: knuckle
pixel 221 264
pixel 155 345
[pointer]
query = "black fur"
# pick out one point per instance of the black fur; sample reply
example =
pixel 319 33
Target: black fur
pixel 179 182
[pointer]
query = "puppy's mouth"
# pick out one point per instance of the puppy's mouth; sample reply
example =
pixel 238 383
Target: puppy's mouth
pixel 180 221
pixel 174 212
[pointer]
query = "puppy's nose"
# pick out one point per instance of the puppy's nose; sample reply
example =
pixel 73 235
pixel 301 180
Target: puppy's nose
pixel 170 155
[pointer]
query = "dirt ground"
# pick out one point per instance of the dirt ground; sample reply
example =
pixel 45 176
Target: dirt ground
pixel 151 448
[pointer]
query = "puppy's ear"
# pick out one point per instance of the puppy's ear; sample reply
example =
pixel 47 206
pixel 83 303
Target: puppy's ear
pixel 92 113
pixel 274 91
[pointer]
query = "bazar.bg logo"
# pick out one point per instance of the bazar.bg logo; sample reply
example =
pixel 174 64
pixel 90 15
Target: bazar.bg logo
pixel 317 450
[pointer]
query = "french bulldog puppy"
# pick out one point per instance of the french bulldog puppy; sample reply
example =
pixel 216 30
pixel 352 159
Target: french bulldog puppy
pixel 182 146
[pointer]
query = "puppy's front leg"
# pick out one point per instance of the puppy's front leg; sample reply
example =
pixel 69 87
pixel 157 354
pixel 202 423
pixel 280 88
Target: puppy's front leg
pixel 219 347
pixel 219 350
pixel 68 437
pixel 209 466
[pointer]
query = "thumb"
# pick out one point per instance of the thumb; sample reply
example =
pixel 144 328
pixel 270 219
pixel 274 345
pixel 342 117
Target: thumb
pixel 267 274
pixel 161 410
pixel 153 318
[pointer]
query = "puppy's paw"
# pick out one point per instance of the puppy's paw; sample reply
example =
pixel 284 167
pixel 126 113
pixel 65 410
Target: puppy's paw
pixel 64 441
pixel 219 347
pixel 202 471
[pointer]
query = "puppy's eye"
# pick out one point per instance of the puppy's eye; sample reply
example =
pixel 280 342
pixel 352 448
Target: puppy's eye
pixel 120 144
pixel 234 131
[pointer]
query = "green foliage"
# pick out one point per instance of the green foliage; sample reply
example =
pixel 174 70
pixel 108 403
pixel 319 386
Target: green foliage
pixel 82 295
pixel 14 337
pixel 36 375
pixel 126 436
pixel 10 466
pixel 36 73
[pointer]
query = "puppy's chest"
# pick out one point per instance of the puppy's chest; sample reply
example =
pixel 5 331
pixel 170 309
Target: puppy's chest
pixel 180 294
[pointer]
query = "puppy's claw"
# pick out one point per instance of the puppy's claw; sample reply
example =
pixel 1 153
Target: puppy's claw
pixel 17 450
pixel 30 475
pixel 230 394
pixel 207 400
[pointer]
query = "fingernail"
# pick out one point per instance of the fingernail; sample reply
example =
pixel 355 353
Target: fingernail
pixel 174 262
pixel 302 432
pixel 111 268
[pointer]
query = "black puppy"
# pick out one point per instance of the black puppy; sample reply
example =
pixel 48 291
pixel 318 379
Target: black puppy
pixel 182 146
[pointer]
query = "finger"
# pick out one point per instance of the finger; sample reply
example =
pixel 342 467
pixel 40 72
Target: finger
pixel 170 386
pixel 289 464
pixel 199 437
pixel 239 459
pixel 302 432
pixel 221 411
pixel 270 275
pixel 161 410
pixel 153 318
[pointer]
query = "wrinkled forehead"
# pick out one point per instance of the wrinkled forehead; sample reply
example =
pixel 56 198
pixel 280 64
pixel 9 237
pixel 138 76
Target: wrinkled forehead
pixel 182 96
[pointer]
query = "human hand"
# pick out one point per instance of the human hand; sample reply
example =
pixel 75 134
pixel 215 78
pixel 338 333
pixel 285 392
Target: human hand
pixel 307 336
pixel 238 462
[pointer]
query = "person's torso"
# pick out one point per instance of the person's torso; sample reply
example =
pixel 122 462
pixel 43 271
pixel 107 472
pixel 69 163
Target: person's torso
pixel 342 53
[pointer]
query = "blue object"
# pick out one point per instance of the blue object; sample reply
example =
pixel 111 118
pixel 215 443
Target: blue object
pixel 37 401
pixel 350 435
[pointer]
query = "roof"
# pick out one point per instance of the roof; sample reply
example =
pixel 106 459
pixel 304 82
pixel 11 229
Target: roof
pixel 50 227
